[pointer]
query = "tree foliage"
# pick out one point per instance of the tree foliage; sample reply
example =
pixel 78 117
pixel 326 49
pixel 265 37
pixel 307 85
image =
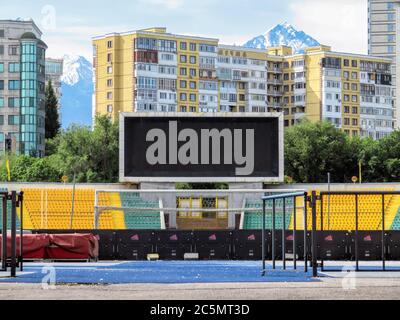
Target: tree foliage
pixel 314 149
pixel 52 123
pixel 90 155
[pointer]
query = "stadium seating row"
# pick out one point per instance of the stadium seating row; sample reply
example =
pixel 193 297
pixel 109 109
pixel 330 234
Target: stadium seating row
pixel 51 209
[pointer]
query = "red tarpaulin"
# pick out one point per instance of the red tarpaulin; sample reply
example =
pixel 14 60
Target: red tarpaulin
pixel 56 246
pixel 73 246
pixel 34 245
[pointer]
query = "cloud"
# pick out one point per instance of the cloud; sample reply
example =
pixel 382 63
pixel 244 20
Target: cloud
pixel 170 4
pixel 342 24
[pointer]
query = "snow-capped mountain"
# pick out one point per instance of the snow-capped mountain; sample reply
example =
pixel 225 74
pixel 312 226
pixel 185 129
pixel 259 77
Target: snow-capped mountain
pixel 77 90
pixel 283 34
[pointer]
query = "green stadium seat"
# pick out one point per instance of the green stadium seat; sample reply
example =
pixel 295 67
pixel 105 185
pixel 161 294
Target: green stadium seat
pixel 253 220
pixel 140 220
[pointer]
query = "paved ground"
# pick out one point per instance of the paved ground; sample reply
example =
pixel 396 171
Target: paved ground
pixel 327 289
pixel 329 286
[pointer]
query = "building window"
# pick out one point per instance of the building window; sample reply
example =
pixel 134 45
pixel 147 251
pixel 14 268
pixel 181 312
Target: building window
pixel 109 83
pixel 391 38
pixel 391 16
pixel 14 85
pixel 192 97
pixel 1 84
pixel 13 67
pixel 109 95
pixel 193 47
pixel 183 97
pixel 192 85
pixel 183 45
pixel 109 57
pixel 354 110
pixel 1 120
pixel 2 33
pixel 1 50
pixel 183 84
pixel 193 72
pixel 391 49
pixel 13 102
pixel 355 122
pixel 1 102
pixel 13 120
pixel 183 59
pixel 13 50
pixel 109 70
pixel 109 108
pixel 109 44
pixel 346 62
pixel 183 71
pixel 192 59
pixel 391 27
pixel 1 67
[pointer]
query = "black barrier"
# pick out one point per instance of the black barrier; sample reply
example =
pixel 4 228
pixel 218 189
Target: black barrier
pixel 213 245
pixel 172 245
pixel 333 245
pixel 369 246
pixel 393 245
pixel 247 245
pixel 134 245
pixel 235 245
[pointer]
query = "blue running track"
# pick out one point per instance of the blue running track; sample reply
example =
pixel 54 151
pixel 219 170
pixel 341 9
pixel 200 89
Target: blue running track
pixel 161 272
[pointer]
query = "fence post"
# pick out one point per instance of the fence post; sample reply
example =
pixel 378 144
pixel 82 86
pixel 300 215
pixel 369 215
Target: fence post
pixel 13 233
pixel 283 234
pixel 305 248
pixel 21 240
pixel 314 234
pixel 273 234
pixel 4 234
pixel 263 240
pixel 383 234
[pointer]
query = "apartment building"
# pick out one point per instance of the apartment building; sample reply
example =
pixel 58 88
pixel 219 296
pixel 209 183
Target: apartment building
pixel 22 87
pixel 152 70
pixel 383 41
pixel 54 72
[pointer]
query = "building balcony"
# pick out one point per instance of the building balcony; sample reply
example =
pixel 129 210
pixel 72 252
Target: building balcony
pixel 275 93
pixel 275 81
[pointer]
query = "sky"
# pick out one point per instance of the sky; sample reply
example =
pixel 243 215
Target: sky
pixel 68 26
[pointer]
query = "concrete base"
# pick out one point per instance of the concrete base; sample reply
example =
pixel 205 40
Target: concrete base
pixel 156 186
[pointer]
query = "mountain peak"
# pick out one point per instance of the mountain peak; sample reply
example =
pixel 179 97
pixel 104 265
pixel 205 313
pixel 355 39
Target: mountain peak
pixel 283 34
pixel 76 69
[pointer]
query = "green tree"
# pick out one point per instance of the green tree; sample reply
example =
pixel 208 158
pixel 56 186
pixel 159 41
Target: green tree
pixel 314 149
pixel 52 123
pixel 90 155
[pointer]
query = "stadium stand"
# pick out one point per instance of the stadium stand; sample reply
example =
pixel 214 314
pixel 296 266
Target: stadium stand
pixel 396 222
pixel 140 220
pixel 51 209
pixel 339 213
pixel 253 220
